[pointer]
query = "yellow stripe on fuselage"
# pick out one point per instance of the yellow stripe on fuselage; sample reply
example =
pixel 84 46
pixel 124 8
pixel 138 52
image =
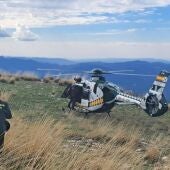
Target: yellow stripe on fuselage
pixel 96 102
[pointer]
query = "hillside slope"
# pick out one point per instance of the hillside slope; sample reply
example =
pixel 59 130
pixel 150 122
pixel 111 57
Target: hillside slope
pixel 45 136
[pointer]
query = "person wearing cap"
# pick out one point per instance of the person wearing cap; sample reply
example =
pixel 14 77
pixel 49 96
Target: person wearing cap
pixel 77 79
pixel 5 113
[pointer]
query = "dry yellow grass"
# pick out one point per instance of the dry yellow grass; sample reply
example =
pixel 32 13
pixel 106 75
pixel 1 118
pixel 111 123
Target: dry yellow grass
pixel 47 80
pixel 59 81
pixel 45 144
pixel 4 96
pixel 29 76
pixel 6 77
pixel 64 82
pixel 152 154
pixel 32 145
pixel 56 80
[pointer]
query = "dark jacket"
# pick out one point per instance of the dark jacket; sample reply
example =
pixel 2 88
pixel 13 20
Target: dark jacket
pixel 5 113
pixel 76 92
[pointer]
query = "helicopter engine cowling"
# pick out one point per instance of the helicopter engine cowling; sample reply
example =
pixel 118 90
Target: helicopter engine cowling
pixel 154 106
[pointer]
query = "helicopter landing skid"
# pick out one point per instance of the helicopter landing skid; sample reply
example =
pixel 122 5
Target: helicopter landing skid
pixel 123 103
pixel 80 109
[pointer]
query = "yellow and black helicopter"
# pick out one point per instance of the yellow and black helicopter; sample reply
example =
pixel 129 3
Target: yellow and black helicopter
pixel 99 95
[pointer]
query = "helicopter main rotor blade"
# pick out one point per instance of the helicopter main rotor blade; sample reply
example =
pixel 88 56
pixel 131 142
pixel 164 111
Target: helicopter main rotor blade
pixel 47 69
pixel 140 75
pixel 65 74
pixel 119 71
pixel 108 72
pixel 102 73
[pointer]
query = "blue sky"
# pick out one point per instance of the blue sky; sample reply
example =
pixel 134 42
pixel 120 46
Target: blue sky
pixel 85 29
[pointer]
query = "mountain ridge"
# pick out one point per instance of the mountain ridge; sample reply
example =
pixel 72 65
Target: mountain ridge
pixel 139 85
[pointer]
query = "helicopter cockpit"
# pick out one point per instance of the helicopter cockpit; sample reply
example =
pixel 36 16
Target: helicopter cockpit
pixel 96 89
pixel 97 78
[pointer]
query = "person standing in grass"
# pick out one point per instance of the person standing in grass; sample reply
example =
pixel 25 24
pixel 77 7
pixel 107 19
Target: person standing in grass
pixel 5 113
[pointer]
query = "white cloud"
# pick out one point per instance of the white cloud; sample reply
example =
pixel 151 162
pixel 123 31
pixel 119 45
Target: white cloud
pixel 116 32
pixel 86 49
pixel 24 34
pixel 3 33
pixel 141 21
pixel 40 13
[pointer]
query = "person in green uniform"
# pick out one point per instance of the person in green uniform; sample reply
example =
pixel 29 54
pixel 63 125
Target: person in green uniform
pixel 5 113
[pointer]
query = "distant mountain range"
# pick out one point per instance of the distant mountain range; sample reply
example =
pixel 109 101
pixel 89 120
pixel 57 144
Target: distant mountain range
pixel 59 61
pixel 118 60
pixel 138 84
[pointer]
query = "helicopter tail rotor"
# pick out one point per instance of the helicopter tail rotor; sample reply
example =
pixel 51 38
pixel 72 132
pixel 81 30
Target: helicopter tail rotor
pixel 155 102
pixel 154 107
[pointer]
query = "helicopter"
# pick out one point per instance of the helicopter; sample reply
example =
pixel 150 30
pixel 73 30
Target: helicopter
pixel 99 95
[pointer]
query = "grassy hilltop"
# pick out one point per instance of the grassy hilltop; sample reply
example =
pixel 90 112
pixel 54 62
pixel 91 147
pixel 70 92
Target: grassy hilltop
pixel 45 136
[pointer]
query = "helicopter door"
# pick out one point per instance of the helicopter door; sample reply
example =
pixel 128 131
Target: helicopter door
pixel 85 97
pixel 95 98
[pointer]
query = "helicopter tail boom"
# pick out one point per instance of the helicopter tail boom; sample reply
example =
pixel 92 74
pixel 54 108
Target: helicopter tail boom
pixel 124 99
pixel 154 102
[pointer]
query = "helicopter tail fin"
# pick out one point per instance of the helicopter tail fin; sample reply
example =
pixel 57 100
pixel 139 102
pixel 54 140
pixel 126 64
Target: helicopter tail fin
pixel 159 83
pixel 155 102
